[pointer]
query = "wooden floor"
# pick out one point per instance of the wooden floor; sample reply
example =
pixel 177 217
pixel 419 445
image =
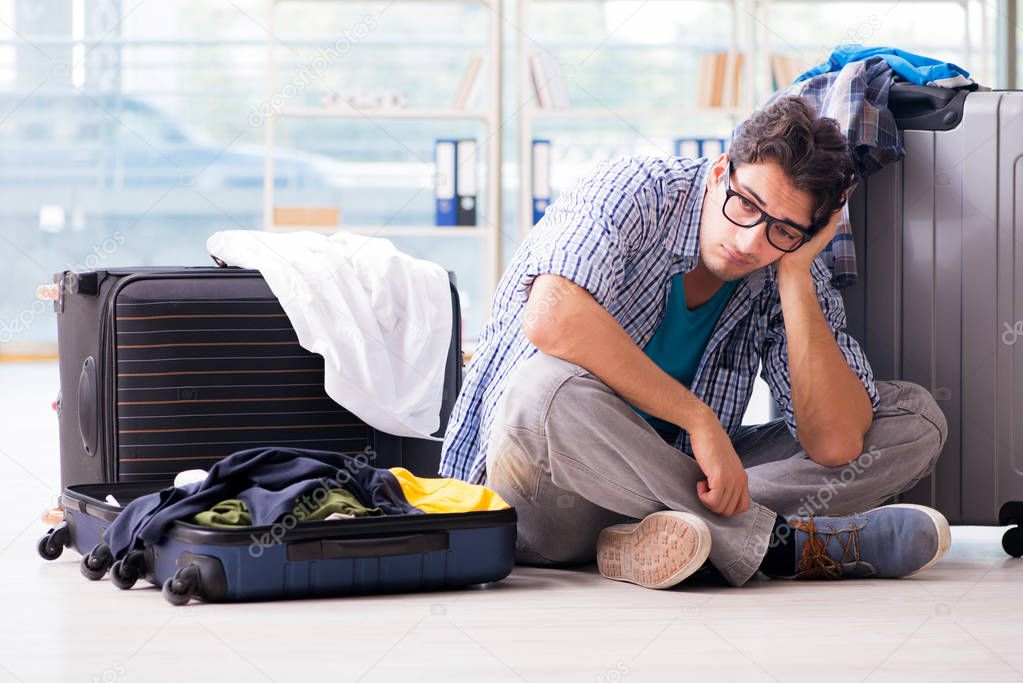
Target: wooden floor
pixel 960 621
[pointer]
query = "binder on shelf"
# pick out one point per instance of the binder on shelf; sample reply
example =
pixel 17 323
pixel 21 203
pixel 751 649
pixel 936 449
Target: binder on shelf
pixel 693 148
pixel 712 148
pixel 444 181
pixel 465 182
pixel 687 147
pixel 541 178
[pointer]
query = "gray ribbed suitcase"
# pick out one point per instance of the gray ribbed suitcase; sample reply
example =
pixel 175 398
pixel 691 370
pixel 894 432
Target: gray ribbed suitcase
pixel 939 302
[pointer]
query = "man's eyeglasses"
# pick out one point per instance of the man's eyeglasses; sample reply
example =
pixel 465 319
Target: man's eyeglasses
pixel 741 211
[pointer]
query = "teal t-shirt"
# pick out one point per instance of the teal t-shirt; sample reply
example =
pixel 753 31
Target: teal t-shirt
pixel 680 339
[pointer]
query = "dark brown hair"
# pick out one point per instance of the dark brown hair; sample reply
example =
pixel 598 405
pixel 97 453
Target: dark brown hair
pixel 812 151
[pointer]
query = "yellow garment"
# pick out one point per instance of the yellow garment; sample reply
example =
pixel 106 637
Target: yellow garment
pixel 446 495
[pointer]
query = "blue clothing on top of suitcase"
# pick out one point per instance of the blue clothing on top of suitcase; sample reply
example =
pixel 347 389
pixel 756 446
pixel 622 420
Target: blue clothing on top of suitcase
pixel 269 481
pixel 913 67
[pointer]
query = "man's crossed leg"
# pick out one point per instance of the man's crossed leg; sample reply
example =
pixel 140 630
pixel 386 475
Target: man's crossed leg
pixel 575 459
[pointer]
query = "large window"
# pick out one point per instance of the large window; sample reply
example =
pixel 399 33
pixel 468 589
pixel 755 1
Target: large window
pixel 130 131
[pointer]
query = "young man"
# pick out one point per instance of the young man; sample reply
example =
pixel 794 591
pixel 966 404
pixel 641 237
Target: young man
pixel 610 382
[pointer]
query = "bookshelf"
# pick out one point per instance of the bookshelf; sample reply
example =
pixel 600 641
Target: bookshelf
pixel 761 46
pixel 741 23
pixel 489 199
pixel 749 22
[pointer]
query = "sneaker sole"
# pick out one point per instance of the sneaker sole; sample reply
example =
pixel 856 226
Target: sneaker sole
pixel 658 552
pixel 940 524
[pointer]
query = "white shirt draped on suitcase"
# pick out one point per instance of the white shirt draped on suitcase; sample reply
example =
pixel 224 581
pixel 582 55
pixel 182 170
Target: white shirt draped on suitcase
pixel 380 318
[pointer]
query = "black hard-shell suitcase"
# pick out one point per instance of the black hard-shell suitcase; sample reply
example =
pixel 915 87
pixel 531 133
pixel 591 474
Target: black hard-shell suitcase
pixel 398 553
pixel 168 369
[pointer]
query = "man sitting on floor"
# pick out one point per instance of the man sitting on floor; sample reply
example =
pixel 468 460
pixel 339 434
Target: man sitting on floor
pixel 610 382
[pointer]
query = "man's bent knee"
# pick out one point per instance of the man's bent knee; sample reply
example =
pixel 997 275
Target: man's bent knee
pixel 529 390
pixel 913 422
pixel 912 398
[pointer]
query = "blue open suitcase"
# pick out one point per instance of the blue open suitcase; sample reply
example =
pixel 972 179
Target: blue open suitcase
pixel 128 423
pixel 344 557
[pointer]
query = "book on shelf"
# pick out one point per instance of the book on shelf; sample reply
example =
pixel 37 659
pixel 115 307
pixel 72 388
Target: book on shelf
pixel 784 70
pixel 705 79
pixel 731 85
pixel 467 89
pixel 540 86
pixel 368 100
pixel 306 216
pixel 719 79
pixel 548 84
pixel 717 84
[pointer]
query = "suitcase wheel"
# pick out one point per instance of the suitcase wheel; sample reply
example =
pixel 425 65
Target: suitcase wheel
pixel 52 545
pixel 1012 541
pixel 127 571
pixel 183 586
pixel 96 562
pixel 1011 512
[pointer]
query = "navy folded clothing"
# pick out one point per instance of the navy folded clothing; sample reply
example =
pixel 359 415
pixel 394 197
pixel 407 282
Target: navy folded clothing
pixel 268 480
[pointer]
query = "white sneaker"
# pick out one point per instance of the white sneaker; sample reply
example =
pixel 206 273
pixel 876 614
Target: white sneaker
pixel 658 552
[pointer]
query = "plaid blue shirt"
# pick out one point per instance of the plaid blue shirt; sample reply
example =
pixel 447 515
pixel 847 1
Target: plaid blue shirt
pixel 622 233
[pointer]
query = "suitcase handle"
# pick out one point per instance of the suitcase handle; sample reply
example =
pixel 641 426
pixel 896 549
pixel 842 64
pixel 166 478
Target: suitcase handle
pixel 351 548
pixel 925 107
pixel 88 420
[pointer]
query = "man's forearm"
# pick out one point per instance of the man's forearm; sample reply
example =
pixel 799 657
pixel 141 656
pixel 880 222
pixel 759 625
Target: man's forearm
pixel 832 407
pixel 589 336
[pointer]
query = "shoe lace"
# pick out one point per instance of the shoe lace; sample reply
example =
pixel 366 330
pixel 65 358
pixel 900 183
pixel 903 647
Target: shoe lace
pixel 816 561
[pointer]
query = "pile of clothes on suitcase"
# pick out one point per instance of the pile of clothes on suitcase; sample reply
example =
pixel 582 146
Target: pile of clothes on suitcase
pixel 852 87
pixel 381 319
pixel 266 486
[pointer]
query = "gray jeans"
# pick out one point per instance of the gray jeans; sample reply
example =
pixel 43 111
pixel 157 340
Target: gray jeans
pixel 572 457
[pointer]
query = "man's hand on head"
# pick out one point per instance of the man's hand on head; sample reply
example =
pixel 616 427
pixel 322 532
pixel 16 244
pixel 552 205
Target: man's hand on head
pixel 801 259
